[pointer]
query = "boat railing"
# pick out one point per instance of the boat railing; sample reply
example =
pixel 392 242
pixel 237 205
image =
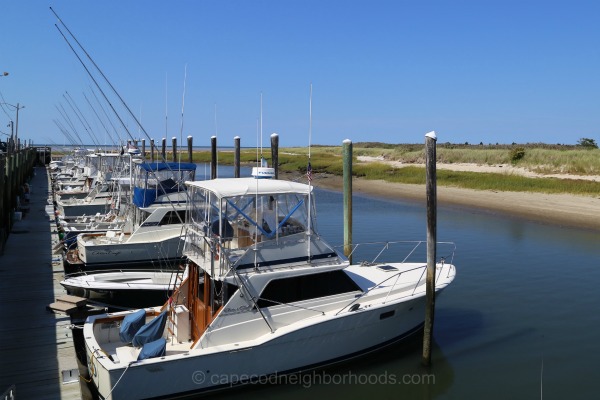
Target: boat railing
pixel 408 293
pixel 116 270
pixel 372 253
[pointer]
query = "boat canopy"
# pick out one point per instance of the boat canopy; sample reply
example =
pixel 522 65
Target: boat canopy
pixel 162 166
pixel 156 179
pixel 232 187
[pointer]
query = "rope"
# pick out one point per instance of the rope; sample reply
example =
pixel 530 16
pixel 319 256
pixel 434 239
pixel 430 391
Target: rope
pixel 119 380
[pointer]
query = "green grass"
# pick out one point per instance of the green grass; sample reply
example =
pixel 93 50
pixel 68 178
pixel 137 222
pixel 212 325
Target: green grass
pixel 329 160
pixel 478 181
pixel 546 159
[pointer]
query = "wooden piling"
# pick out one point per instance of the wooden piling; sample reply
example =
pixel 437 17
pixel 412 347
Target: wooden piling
pixel 17 169
pixel 347 181
pixel 430 183
pixel 174 144
pixel 236 157
pixel 213 157
pixel 143 147
pixel 151 150
pixel 164 150
pixel 190 141
pixel 275 153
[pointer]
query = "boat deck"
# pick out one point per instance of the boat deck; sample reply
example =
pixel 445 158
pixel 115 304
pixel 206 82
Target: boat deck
pixel 36 345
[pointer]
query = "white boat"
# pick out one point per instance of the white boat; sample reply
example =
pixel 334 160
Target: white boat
pixel 265 296
pixel 156 241
pixel 132 289
pixel 158 217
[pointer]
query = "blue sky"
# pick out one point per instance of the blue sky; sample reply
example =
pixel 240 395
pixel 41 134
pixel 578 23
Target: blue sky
pixel 390 71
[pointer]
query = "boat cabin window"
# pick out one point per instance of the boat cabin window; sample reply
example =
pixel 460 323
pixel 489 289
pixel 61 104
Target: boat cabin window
pixel 173 217
pixel 306 287
pixel 221 292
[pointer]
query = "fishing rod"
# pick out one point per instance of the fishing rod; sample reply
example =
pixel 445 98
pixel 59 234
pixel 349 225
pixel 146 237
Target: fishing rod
pixel 65 115
pixel 108 119
pixel 99 119
pixel 95 82
pixel 65 132
pixel 107 81
pixel 81 118
pixel 101 73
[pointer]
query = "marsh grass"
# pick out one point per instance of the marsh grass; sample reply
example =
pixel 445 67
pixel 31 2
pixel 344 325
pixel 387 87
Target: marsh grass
pixel 545 159
pixel 329 160
pixel 478 181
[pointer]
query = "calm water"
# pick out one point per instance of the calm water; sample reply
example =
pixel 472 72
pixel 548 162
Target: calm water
pixel 519 321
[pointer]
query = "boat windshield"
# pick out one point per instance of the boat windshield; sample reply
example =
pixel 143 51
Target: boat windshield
pixel 245 220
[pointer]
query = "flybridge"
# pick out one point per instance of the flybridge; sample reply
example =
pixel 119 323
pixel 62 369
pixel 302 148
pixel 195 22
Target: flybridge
pixel 156 179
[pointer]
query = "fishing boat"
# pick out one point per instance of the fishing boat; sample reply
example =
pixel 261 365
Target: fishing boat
pixel 265 296
pixel 158 217
pixel 156 241
pixel 131 289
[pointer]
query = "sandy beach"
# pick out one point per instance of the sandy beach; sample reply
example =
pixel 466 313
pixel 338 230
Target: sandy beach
pixel 556 209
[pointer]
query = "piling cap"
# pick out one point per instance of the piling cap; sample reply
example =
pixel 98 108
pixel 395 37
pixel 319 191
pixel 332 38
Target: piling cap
pixel 274 134
pixel 173 138
pixel 236 137
pixel 431 135
pixel 346 141
pixel 189 137
pixel 213 137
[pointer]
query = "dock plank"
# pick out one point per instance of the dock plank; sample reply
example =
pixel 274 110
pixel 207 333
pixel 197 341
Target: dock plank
pixel 35 344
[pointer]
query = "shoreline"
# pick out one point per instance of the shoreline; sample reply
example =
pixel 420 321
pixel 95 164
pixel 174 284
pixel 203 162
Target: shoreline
pixel 580 212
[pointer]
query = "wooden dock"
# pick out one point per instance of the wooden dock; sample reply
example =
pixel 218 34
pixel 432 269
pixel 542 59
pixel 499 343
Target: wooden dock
pixel 37 355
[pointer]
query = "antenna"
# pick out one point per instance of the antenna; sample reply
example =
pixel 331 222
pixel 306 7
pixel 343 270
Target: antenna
pixel 261 125
pixel 310 120
pixel 309 172
pixel 182 108
pixel 166 105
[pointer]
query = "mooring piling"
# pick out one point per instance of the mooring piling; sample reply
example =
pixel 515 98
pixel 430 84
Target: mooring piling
pixel 174 145
pixel 347 177
pixel 236 157
pixel 151 150
pixel 213 157
pixel 275 153
pixel 190 141
pixel 430 184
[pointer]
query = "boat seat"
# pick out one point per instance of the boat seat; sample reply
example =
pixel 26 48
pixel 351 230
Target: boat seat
pixel 156 348
pixel 152 331
pixel 131 325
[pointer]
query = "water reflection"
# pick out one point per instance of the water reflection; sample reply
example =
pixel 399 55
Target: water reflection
pixel 525 293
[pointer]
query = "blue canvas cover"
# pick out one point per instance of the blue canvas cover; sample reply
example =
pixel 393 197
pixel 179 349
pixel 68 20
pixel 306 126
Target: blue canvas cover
pixel 173 166
pixel 131 325
pixel 156 348
pixel 152 331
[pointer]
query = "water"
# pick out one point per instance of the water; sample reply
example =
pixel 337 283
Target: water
pixel 519 321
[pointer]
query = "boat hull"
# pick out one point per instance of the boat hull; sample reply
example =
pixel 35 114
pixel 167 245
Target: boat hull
pixel 130 255
pixel 122 298
pixel 333 340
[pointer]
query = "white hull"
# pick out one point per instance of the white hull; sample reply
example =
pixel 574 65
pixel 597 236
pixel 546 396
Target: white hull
pixel 265 296
pixel 334 339
pixel 116 255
